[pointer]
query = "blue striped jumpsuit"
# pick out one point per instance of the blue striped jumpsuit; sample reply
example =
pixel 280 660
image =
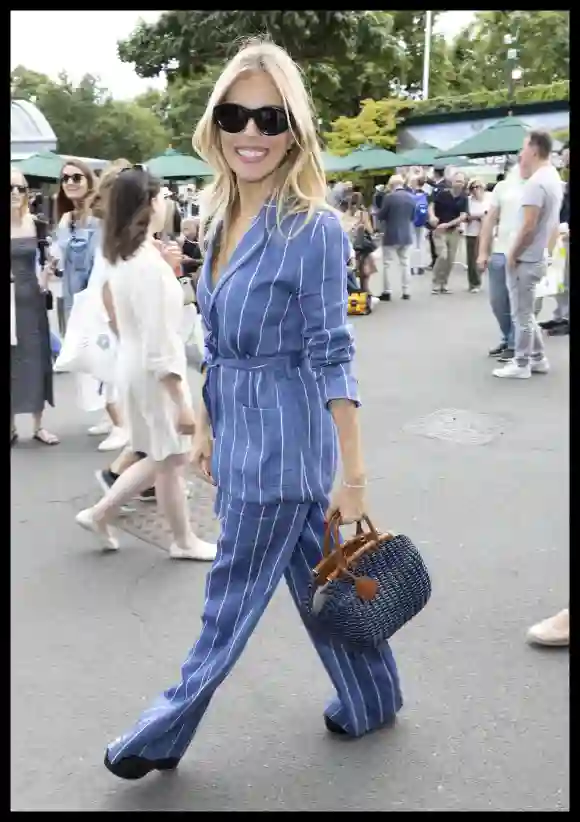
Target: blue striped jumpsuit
pixel 278 351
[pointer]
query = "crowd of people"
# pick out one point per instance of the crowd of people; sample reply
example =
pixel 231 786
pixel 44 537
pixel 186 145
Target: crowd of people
pixel 420 219
pixel 279 403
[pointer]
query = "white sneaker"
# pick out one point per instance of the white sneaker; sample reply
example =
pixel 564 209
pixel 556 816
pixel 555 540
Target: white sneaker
pixel 513 371
pixel 554 631
pixel 116 440
pixel 101 530
pixel 101 429
pixel 540 366
pixel 197 549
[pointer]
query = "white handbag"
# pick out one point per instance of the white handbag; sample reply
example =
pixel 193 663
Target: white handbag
pixel 193 335
pixel 89 345
pixel 552 283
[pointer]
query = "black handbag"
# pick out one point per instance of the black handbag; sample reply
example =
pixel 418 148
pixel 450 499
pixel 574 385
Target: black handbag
pixel 366 589
pixel 363 242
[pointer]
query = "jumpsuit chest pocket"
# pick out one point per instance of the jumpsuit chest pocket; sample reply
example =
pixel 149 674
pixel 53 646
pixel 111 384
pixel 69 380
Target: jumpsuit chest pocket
pixel 271 463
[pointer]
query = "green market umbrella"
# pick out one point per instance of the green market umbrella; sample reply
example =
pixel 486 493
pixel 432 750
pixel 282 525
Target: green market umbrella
pixel 504 137
pixel 171 165
pixel 368 158
pixel 420 156
pixel 452 160
pixel 333 164
pixel 45 165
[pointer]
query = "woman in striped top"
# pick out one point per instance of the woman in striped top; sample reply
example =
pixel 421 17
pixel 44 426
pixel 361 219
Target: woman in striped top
pixel 280 401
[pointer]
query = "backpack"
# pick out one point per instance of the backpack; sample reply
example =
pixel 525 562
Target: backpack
pixel 421 209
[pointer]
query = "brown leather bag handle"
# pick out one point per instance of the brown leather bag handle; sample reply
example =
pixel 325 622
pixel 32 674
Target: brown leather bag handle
pixel 366 588
pixel 332 530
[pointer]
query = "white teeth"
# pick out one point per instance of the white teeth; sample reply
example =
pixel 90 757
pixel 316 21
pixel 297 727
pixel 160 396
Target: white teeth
pixel 246 152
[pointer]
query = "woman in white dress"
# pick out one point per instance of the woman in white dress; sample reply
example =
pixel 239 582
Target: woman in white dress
pixel 152 370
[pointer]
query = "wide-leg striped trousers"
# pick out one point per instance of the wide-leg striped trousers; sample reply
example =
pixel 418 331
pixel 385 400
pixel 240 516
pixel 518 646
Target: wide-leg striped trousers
pixel 259 544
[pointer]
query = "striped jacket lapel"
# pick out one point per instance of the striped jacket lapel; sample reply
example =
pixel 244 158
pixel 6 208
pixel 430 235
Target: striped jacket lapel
pixel 250 243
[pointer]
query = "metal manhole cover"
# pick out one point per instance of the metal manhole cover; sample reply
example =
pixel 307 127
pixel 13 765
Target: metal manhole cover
pixel 457 425
pixel 144 520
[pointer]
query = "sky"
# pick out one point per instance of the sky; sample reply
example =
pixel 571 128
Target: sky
pixel 85 42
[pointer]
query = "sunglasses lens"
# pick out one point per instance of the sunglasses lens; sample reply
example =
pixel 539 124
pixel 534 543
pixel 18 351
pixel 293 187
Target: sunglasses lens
pixel 72 178
pixel 271 121
pixel 230 117
pixel 233 118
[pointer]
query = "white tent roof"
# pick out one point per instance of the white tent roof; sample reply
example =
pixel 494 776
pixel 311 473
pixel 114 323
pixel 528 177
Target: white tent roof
pixel 29 123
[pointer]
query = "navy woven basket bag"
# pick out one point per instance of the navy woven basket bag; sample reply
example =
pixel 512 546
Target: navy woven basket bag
pixel 366 589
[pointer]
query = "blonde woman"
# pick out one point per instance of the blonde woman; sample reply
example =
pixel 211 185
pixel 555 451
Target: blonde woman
pixel 478 205
pixel 280 401
pixel 30 355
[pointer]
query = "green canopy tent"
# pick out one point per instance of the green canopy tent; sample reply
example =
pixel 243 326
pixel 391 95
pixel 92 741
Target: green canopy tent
pixel 504 137
pixel 171 165
pixel 333 164
pixel 442 161
pixel 369 158
pixel 45 166
pixel 420 156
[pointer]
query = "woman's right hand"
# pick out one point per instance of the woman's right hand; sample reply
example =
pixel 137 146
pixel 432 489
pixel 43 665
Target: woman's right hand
pixel 201 453
pixel 482 262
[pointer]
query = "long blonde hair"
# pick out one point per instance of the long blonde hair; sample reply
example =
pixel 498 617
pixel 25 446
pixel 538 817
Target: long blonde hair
pixel 303 186
pixel 25 206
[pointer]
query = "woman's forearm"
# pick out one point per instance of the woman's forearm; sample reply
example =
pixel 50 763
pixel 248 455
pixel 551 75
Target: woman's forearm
pixel 345 416
pixel 173 384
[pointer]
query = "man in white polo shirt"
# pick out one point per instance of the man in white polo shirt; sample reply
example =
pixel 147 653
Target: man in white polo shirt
pixel 538 222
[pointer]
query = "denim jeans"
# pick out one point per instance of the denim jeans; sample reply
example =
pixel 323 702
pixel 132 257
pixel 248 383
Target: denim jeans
pixel 499 298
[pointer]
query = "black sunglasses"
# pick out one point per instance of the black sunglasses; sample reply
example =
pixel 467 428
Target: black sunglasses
pixel 72 178
pixel 136 167
pixel 233 118
pixel 19 189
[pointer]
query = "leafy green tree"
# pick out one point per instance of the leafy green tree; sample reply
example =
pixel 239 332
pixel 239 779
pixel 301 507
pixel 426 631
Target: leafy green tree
pixel 347 56
pixel 87 121
pixel 542 39
pixel 376 125
pixel 339 51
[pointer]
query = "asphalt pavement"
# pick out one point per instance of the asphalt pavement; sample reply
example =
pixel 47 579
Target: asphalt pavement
pixel 475 470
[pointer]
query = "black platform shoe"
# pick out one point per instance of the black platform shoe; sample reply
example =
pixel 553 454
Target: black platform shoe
pixel 334 728
pixel 136 767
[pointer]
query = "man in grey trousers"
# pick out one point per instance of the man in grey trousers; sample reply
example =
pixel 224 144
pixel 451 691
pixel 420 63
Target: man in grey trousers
pixel 396 217
pixel 538 219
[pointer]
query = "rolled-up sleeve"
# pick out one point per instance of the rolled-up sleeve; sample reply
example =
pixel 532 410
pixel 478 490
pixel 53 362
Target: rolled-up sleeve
pixel 322 296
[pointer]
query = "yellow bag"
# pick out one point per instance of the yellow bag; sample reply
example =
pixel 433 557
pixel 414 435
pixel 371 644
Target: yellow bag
pixel 359 303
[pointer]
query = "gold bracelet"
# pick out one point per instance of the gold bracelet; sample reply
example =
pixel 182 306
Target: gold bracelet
pixel 349 485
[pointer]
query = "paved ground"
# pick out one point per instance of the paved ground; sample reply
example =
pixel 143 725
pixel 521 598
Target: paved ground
pixel 485 726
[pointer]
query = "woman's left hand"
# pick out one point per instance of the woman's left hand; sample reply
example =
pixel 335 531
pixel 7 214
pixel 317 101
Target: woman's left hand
pixel 171 253
pixel 350 502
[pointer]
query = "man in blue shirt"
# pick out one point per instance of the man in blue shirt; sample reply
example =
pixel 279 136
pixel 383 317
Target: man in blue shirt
pixel 396 215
